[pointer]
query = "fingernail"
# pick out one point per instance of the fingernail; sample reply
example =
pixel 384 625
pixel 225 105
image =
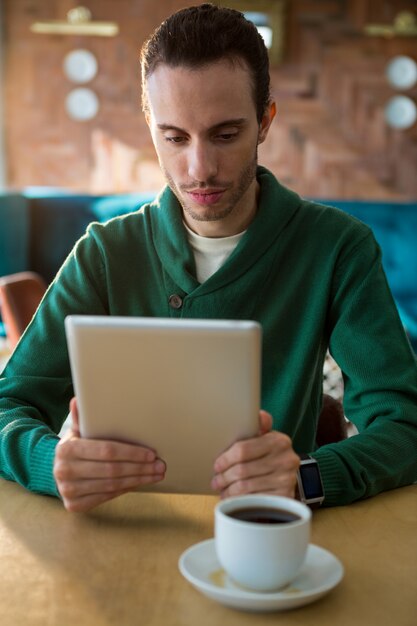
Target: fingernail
pixel 159 467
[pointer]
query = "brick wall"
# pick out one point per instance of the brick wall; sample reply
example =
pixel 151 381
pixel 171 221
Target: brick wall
pixel 329 139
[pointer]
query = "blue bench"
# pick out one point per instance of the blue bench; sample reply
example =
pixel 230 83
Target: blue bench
pixel 39 226
pixel 395 228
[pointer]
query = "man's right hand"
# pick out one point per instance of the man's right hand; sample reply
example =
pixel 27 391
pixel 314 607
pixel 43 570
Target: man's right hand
pixel 89 472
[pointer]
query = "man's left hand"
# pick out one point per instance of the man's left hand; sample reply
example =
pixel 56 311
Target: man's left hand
pixel 264 464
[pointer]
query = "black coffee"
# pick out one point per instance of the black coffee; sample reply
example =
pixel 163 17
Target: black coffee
pixel 264 515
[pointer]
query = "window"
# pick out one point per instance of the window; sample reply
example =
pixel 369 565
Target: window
pixel 269 18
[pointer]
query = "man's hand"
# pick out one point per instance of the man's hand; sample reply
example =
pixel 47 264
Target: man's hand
pixel 89 472
pixel 265 464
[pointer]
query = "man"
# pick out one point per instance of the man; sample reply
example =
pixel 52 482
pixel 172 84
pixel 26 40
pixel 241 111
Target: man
pixel 228 241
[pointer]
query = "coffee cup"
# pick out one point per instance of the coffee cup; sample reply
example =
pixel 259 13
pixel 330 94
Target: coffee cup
pixel 261 540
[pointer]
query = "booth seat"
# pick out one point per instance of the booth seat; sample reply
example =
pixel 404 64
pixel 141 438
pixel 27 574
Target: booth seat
pixel 39 226
pixel 395 228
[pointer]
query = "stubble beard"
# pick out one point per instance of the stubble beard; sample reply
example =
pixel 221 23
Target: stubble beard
pixel 212 214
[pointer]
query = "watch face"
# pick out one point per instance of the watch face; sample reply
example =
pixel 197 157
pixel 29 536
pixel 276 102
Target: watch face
pixel 310 476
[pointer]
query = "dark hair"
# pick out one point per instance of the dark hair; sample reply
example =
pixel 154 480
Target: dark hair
pixel 198 35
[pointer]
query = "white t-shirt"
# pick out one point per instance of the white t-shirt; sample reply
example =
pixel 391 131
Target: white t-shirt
pixel 211 252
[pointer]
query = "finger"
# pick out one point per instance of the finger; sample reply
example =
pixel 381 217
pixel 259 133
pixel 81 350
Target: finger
pixel 244 471
pixel 75 416
pixel 74 490
pixel 241 452
pixel 251 449
pixel 99 450
pixel 281 485
pixel 86 503
pixel 78 470
pixel 282 467
pixel 265 422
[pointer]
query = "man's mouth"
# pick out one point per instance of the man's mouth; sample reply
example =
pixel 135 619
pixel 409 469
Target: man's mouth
pixel 207 196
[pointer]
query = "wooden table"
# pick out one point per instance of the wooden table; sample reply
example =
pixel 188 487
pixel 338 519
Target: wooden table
pixel 118 565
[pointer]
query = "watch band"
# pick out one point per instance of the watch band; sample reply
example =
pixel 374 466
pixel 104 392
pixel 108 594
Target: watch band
pixel 310 486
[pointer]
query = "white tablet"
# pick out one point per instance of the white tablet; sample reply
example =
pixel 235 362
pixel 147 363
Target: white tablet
pixel 186 388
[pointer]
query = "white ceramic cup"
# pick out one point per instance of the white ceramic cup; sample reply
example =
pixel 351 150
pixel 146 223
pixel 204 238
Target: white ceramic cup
pixel 261 556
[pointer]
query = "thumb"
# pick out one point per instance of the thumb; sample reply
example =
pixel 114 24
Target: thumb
pixel 74 416
pixel 265 422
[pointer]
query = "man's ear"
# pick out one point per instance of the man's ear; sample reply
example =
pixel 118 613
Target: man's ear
pixel 266 121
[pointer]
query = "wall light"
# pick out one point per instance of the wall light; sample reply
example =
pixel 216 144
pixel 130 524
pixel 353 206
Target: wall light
pixel 78 22
pixel 401 72
pixel 400 112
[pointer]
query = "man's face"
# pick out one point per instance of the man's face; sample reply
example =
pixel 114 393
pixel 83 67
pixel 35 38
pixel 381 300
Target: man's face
pixel 204 128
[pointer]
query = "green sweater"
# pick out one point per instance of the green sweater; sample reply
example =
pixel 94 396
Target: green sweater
pixel 310 274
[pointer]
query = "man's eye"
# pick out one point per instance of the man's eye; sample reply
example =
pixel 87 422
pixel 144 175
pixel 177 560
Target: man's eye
pixel 175 139
pixel 226 136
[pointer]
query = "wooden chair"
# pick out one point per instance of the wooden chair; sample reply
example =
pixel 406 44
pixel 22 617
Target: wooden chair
pixel 332 425
pixel 20 295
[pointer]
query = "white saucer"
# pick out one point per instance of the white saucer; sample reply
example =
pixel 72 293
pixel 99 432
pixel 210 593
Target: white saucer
pixel 320 573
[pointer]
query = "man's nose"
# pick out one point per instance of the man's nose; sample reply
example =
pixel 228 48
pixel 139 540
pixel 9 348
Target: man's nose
pixel 202 162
